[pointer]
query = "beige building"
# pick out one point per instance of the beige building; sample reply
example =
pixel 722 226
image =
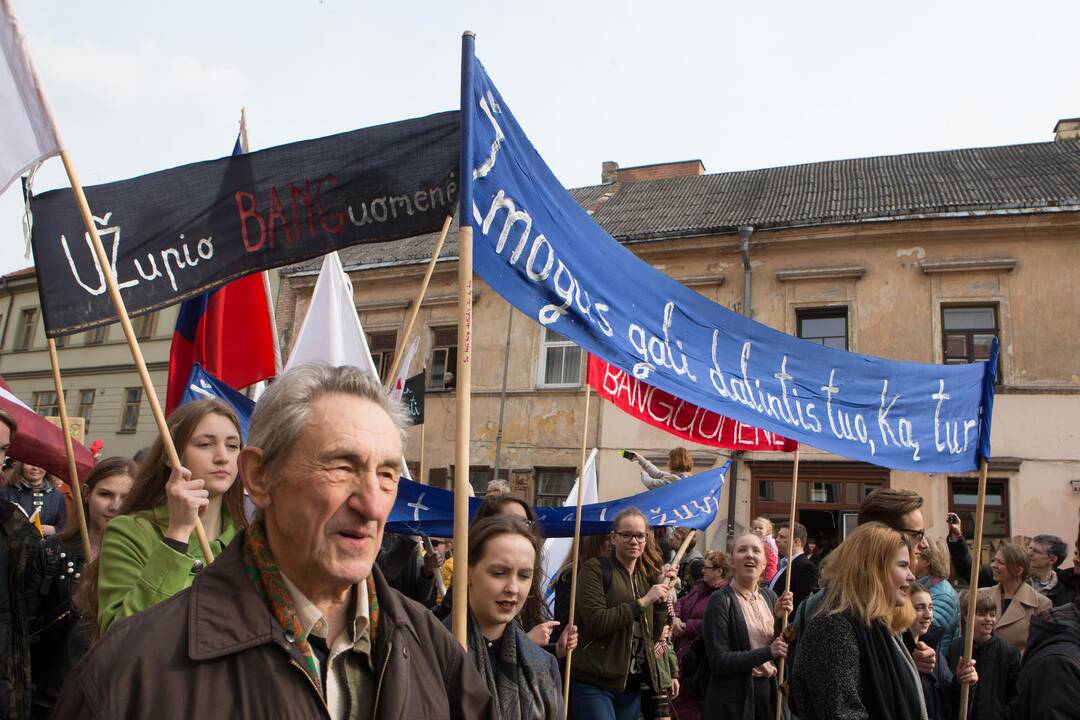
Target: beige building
pixel 919 257
pixel 100 382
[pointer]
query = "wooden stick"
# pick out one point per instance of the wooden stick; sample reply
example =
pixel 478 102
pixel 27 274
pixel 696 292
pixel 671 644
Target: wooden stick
pixel 415 309
pixel 461 455
pixel 422 477
pixel 973 588
pixel 787 580
pixel 129 333
pixel 682 551
pixel 574 551
pixel 73 471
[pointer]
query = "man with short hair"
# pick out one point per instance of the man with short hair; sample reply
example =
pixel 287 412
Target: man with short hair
pixel 18 540
pixel 293 619
pixel 804 573
pixel 1046 553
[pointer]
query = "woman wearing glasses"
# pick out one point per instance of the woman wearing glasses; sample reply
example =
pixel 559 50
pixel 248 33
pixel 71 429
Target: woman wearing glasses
pixel 742 639
pixel 621 612
pixel 689 617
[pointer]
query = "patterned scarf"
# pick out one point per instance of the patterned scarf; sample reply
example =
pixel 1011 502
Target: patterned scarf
pixel 263 571
pixel 520 692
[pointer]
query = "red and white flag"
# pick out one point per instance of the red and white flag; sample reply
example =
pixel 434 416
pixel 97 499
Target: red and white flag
pixel 39 442
pixel 667 412
pixel 29 134
pixel 404 367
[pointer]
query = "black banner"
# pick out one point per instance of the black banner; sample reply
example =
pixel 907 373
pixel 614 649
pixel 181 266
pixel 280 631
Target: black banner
pixel 412 398
pixel 178 233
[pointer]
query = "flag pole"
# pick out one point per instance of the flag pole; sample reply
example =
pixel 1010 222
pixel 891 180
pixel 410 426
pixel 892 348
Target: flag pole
pixel 73 471
pixel 973 587
pixel 787 579
pixel 574 549
pixel 245 146
pixel 464 353
pixel 415 309
pixel 129 333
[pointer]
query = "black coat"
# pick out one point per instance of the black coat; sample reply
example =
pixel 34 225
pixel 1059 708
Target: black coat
pixel 1049 685
pixel 804 579
pixel 998 665
pixel 58 639
pixel 19 540
pixel 961 562
pixel 730 694
pixel 402 563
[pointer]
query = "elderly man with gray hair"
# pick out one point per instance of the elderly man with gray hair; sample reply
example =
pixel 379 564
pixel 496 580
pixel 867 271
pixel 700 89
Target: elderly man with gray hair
pixel 293 620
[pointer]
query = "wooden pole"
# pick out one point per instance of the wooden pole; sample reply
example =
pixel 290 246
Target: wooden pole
pixel 682 551
pixel 73 471
pixel 787 579
pixel 973 587
pixel 410 321
pixel 464 419
pixel 574 550
pixel 129 333
pixel 422 476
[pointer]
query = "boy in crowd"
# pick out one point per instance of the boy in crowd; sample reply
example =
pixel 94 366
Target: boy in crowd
pixel 997 661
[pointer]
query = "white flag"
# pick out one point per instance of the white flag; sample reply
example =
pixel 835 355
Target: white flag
pixel 557 550
pixel 29 134
pixel 403 369
pixel 331 332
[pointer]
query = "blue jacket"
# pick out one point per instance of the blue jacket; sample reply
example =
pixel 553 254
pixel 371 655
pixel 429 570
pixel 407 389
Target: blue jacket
pixel 50 500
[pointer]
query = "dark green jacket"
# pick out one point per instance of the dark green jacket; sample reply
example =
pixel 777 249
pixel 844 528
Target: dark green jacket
pixel 606 625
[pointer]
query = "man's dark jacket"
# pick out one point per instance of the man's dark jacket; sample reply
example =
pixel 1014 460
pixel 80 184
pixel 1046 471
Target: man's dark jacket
pixel 18 541
pixel 402 565
pixel 215 650
pixel 1049 686
pixel 804 579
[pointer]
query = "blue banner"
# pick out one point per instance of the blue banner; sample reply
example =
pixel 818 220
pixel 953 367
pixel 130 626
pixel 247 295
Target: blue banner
pixel 202 385
pixel 537 248
pixel 690 502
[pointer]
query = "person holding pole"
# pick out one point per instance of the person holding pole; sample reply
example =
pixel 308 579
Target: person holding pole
pixel 32 490
pixel 619 620
pixel 58 638
pixel 804 573
pixel 997 661
pixel 148 553
pixel 742 639
pixel 504 567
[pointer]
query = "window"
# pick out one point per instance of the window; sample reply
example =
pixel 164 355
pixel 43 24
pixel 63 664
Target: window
pixel 45 403
pixel 479 477
pixel 129 414
pixel 144 325
pixel 97 335
pixel 825 326
pixel 560 360
pixel 443 358
pixel 553 485
pixel 86 406
pixel 967 332
pixel 382 346
pixel 61 341
pixel 27 329
pixel 964 496
pixel 440 478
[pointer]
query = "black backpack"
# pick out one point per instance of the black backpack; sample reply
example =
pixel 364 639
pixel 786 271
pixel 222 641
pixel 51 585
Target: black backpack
pixel 694 668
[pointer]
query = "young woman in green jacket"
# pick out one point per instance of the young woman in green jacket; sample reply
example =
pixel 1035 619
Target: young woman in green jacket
pixel 149 552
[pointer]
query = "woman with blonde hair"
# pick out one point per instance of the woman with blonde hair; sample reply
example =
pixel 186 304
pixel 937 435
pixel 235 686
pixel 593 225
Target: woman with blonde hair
pixel 851 663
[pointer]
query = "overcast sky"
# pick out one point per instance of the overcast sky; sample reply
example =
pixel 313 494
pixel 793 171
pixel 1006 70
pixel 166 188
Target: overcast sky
pixel 137 88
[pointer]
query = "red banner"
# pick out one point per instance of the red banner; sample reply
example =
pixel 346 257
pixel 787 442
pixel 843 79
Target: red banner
pixel 678 417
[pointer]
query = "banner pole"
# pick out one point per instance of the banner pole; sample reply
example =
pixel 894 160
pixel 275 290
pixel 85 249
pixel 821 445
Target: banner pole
pixel 73 470
pixel 574 549
pixel 415 309
pixel 973 586
pixel 422 476
pixel 464 354
pixel 787 579
pixel 129 333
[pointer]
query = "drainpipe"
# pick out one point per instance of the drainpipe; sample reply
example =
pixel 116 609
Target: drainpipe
pixel 745 231
pixel 7 314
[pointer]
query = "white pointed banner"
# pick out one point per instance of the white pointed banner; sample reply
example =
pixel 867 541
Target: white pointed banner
pixel 557 550
pixel 29 134
pixel 403 368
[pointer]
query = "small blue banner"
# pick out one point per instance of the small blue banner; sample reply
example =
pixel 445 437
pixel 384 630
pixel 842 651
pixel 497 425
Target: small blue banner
pixel 202 385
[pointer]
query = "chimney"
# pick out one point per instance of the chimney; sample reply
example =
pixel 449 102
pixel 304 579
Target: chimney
pixel 1067 129
pixel 611 172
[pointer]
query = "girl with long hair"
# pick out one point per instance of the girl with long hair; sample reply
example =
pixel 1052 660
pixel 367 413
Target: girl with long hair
pixel 851 662
pixel 149 553
pixel 621 612
pixel 504 567
pixel 57 637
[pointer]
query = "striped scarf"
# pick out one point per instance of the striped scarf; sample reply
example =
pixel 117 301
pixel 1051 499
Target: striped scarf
pixel 263 571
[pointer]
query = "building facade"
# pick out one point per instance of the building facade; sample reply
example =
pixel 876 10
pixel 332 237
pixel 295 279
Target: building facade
pixel 922 258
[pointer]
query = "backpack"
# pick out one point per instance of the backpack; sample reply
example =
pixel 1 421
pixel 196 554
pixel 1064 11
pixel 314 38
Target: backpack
pixel 694 668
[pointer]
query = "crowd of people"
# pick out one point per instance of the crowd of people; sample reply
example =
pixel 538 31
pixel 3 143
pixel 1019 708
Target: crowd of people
pixel 310 609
